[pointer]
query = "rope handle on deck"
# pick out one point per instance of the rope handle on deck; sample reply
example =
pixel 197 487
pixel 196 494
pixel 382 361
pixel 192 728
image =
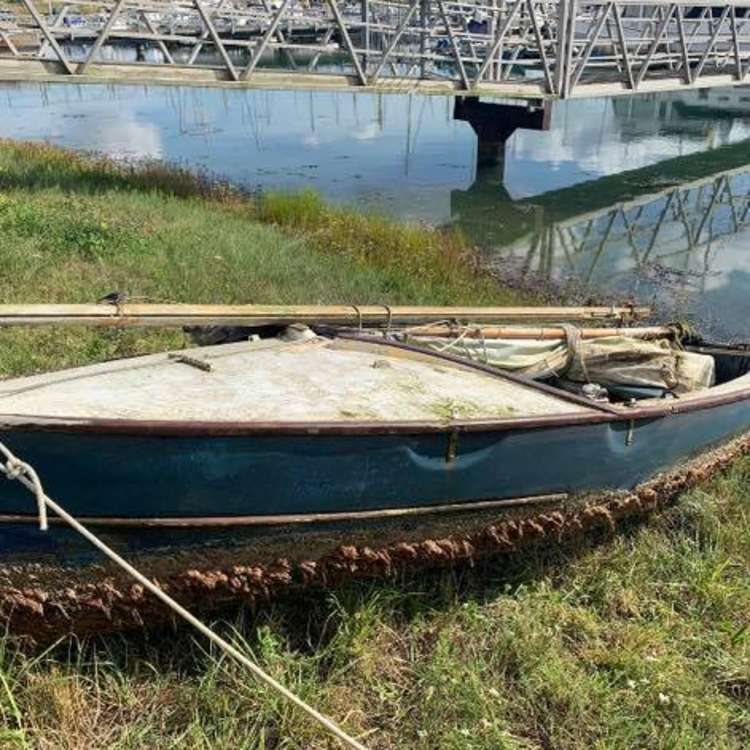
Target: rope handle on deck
pixel 14 468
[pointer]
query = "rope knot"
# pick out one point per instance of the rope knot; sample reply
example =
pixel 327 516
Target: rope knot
pixel 14 468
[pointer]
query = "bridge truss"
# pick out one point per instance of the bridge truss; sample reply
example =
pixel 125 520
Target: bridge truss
pixel 507 48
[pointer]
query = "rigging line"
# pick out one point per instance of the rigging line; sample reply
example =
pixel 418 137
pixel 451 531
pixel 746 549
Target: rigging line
pixel 14 468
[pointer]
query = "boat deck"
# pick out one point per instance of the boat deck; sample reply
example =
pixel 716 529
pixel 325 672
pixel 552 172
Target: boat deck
pixel 314 379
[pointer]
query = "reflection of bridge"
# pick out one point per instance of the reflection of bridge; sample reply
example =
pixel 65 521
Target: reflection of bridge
pixel 510 48
pixel 683 215
pixel 677 228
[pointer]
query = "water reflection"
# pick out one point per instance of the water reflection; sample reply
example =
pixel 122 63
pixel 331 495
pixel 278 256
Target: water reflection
pixel 685 247
pixel 598 137
pixel 399 154
pixel 644 195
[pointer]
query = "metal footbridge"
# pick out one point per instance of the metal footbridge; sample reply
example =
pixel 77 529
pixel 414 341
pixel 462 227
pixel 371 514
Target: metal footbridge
pixel 513 49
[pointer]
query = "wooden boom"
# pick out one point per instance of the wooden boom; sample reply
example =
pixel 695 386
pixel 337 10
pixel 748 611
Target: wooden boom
pixel 536 333
pixel 255 315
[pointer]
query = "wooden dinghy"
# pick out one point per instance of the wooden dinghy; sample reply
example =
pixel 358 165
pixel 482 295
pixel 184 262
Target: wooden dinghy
pixel 231 470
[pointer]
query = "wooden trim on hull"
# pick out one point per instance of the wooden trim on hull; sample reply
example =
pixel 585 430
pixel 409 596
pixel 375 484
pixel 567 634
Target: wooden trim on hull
pixel 145 428
pixel 300 519
pixel 165 428
pixel 91 600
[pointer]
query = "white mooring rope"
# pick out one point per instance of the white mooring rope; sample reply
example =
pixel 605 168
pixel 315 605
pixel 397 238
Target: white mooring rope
pixel 14 468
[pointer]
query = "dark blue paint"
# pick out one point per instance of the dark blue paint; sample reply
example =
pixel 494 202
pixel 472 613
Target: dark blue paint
pixel 117 475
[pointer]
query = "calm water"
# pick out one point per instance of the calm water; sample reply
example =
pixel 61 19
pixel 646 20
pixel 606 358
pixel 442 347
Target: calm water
pixel 645 196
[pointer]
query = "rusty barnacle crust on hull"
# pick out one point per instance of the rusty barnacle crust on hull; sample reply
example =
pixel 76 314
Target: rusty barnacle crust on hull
pixel 110 602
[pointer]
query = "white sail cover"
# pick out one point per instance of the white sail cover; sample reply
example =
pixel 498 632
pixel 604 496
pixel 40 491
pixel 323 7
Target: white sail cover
pixel 611 360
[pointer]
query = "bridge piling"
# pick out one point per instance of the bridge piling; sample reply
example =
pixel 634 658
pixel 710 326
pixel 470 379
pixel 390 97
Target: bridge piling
pixel 494 124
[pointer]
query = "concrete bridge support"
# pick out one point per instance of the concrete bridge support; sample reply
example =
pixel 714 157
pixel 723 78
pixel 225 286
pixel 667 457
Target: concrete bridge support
pixel 494 124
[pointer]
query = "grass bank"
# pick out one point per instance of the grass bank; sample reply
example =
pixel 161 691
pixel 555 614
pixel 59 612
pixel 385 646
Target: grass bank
pixel 640 641
pixel 74 228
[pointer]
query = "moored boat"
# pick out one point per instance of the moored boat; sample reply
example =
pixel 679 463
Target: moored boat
pixel 231 469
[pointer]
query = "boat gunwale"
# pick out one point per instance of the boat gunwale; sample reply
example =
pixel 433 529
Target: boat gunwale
pixel 169 428
pixel 596 413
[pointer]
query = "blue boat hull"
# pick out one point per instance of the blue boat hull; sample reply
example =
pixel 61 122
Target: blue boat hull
pixel 132 476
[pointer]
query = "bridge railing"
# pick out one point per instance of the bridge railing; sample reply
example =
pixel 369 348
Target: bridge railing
pixel 516 48
pixel 616 46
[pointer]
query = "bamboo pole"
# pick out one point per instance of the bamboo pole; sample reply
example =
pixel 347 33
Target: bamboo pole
pixel 128 315
pixel 524 332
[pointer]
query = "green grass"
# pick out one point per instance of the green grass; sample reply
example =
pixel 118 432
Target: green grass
pixel 74 228
pixel 639 641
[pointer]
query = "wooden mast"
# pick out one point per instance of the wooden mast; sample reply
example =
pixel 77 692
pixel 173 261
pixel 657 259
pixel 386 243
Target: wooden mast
pixel 176 315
